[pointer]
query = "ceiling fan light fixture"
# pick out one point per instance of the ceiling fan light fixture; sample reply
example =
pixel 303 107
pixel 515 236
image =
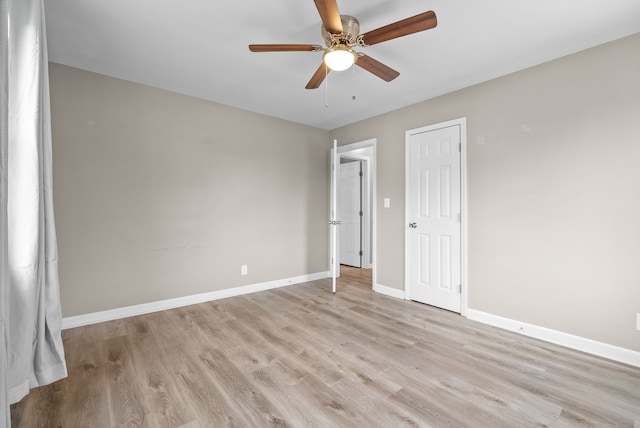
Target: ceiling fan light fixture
pixel 339 58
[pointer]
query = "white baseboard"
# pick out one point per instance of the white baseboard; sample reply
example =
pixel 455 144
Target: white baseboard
pixel 579 343
pixel 145 308
pixel 388 291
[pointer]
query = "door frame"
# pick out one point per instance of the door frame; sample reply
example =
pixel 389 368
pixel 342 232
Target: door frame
pixel 344 151
pixel 462 122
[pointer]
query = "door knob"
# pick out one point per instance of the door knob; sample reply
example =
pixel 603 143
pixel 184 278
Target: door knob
pixel 413 225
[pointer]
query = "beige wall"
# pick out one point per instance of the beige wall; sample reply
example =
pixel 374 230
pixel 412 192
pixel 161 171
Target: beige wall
pixel 159 195
pixel 553 191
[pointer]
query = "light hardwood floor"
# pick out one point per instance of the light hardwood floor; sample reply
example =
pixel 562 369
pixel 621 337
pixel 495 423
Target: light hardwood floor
pixel 301 356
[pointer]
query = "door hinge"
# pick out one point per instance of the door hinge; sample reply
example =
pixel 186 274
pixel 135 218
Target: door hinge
pixel 361 213
pixel 459 288
pixel 460 147
pixel 360 174
pixel 361 253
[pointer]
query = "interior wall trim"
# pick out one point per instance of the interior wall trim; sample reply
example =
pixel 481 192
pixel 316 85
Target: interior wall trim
pixel 161 305
pixel 389 291
pixel 600 349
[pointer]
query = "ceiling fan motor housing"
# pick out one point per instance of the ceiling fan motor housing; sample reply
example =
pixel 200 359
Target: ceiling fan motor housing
pixel 349 35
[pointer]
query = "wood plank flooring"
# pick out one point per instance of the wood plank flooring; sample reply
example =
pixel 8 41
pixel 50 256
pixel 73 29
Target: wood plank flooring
pixel 301 356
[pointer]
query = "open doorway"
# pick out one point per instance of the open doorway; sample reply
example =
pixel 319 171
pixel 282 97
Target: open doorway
pixel 356 208
pixel 351 211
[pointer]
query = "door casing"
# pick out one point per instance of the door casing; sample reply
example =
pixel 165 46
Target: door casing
pixel 351 151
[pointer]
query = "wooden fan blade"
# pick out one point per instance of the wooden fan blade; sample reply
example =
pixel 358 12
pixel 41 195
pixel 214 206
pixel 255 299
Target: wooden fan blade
pixel 284 48
pixel 328 10
pixel 376 67
pixel 318 77
pixel 415 24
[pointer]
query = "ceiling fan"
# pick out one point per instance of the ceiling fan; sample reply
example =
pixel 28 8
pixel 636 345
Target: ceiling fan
pixel 342 32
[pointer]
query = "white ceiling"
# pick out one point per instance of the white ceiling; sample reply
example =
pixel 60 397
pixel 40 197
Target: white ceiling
pixel 199 48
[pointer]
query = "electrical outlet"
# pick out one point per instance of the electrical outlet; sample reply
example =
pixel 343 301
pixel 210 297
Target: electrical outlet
pixel 243 270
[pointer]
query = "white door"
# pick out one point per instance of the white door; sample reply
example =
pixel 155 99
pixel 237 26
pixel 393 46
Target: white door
pixel 350 213
pixel 434 216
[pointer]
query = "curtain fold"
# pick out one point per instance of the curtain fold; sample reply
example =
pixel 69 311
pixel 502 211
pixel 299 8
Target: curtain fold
pixel 33 316
pixel 4 258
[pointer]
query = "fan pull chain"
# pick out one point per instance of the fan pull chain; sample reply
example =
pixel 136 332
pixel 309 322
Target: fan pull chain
pixel 326 87
pixel 353 67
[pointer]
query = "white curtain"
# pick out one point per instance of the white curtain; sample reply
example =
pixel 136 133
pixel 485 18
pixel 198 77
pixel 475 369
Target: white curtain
pixel 4 257
pixel 31 313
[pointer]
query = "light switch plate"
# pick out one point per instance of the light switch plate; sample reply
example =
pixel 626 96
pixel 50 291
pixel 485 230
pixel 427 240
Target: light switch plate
pixel 387 202
pixel 638 322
